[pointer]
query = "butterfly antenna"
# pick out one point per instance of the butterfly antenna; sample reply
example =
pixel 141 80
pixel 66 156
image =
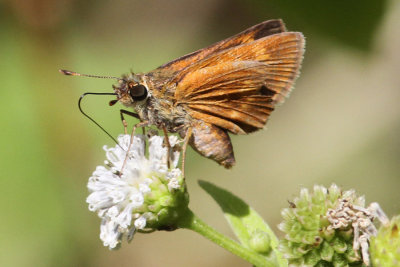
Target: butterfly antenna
pixel 73 73
pixel 90 118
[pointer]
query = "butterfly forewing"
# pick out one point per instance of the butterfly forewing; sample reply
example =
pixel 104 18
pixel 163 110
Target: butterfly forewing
pixel 258 31
pixel 237 88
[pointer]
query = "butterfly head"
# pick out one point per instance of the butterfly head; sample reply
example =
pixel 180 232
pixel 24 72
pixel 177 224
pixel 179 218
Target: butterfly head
pixel 130 90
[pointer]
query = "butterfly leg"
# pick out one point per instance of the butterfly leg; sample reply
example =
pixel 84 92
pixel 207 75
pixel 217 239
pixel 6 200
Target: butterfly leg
pixel 168 144
pixel 140 124
pixel 185 144
pixel 124 123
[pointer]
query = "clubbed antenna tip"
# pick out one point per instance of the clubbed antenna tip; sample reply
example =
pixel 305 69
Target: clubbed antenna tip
pixel 67 72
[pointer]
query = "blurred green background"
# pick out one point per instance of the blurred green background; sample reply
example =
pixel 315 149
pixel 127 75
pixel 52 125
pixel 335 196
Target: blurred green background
pixel 341 123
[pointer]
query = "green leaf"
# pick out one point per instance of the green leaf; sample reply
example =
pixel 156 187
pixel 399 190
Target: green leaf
pixel 244 221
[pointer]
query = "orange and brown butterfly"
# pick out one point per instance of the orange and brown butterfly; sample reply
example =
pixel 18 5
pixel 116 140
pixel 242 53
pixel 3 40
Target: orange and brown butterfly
pixel 229 87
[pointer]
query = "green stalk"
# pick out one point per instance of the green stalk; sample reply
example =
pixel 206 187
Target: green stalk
pixel 190 221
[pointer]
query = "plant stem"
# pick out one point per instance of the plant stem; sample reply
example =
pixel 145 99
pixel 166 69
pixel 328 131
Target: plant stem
pixel 192 222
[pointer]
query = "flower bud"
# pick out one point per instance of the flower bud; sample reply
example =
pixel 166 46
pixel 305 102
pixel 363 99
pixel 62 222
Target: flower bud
pixel 260 242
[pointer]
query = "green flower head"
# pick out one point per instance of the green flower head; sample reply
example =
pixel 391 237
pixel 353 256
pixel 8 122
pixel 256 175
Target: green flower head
pixel 385 247
pixel 328 227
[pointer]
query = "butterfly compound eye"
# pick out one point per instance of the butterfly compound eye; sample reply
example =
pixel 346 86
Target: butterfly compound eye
pixel 138 92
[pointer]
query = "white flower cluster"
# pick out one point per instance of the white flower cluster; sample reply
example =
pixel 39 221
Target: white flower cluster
pixel 122 201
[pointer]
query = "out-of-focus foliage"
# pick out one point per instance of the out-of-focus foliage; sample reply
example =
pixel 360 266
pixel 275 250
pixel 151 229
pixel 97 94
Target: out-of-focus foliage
pixel 351 23
pixel 340 125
